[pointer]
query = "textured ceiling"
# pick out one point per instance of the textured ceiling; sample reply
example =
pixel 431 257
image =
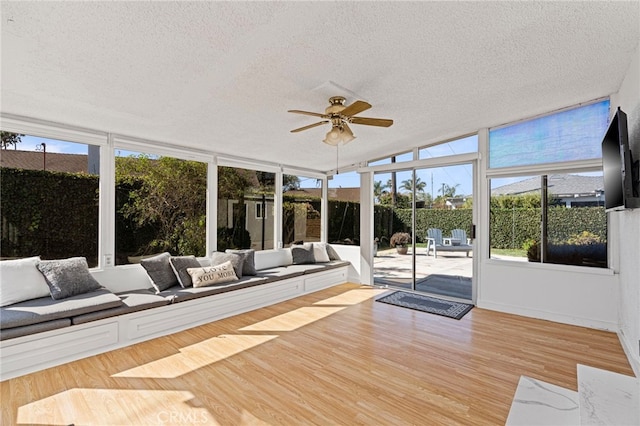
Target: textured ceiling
pixel 221 76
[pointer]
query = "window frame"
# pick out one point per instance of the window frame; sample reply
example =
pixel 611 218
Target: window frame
pixel 67 133
pixel 563 167
pixel 120 142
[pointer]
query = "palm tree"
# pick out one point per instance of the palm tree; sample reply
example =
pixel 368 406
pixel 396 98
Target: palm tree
pixel 449 191
pixel 407 185
pixel 378 189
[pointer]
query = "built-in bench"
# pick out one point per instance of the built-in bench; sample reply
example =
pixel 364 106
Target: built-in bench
pixel 41 333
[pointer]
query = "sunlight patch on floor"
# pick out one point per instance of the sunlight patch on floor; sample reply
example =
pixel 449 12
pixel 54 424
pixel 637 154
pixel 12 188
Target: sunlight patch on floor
pixel 293 320
pixel 196 356
pixel 351 297
pixel 108 407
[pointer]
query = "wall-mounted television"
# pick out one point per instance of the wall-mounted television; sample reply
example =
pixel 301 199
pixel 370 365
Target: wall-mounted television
pixel 619 170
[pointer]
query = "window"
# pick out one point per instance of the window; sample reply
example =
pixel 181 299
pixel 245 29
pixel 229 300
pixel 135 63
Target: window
pixel 344 209
pixel 398 158
pixel 569 135
pixel 464 145
pixel 49 192
pixel 244 199
pixel 260 211
pixel 301 209
pixel 550 216
pixel 160 206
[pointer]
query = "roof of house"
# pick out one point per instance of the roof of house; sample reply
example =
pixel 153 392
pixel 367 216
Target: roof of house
pixel 34 160
pixel 340 194
pixel 559 185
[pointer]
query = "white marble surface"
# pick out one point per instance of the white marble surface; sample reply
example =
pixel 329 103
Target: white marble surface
pixel 537 403
pixel 608 398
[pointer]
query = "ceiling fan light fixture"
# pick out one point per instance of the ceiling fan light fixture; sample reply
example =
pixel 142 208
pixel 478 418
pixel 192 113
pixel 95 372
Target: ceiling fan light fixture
pixel 347 135
pixel 334 136
pixel 338 135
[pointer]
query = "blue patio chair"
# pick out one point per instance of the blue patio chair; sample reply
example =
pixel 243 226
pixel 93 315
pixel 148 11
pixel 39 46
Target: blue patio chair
pixel 457 242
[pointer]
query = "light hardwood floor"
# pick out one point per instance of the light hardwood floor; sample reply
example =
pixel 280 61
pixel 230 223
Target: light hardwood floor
pixel 334 357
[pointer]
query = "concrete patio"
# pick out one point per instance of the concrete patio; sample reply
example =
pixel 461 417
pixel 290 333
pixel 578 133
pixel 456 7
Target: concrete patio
pixel 448 275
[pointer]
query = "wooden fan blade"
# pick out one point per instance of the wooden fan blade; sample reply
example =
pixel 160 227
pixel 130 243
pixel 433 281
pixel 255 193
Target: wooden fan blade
pixel 355 108
pixel 310 126
pixel 381 122
pixel 315 114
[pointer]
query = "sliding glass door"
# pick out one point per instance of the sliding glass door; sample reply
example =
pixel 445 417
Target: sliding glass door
pixel 393 229
pixel 430 210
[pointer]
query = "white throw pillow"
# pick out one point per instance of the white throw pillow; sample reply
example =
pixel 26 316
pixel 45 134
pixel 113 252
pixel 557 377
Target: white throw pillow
pixel 21 280
pixel 212 275
pixel 320 253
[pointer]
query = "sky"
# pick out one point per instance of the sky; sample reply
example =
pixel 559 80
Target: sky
pixel 31 143
pixel 455 176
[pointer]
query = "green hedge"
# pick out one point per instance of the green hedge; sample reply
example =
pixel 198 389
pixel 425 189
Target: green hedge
pixel 51 214
pixel 344 222
pixel 510 228
pixel 446 220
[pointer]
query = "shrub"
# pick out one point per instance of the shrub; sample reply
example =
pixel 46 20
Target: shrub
pixel 400 239
pixel 584 238
pixel 592 254
pixel 233 238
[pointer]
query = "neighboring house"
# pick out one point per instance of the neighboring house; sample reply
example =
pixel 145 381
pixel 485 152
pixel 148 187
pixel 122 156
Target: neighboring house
pixel 570 190
pixel 351 195
pixel 51 161
pixel 456 202
pixel 259 214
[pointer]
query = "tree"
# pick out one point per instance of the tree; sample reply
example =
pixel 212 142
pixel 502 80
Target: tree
pixel 449 191
pixel 402 201
pixel 378 190
pixel 290 183
pixel 168 195
pixel 233 185
pixel 9 139
pixel 407 185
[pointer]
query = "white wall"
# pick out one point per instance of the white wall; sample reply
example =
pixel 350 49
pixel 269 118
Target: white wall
pixel 574 295
pixel 567 294
pixel 625 225
pixel 351 254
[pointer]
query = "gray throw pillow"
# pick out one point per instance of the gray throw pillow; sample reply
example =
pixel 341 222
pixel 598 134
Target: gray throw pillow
pixel 236 259
pixel 67 277
pixel 333 255
pixel 180 265
pixel 160 271
pixel 249 265
pixel 303 254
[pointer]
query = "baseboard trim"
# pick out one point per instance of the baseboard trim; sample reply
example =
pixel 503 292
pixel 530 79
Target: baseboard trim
pixel 634 361
pixel 549 316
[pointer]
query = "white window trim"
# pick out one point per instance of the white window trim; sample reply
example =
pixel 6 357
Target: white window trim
pixel 546 168
pixel 258 206
pixel 46 129
pixel 156 148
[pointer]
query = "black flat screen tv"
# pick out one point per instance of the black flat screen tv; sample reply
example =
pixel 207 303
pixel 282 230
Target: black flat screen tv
pixel 620 172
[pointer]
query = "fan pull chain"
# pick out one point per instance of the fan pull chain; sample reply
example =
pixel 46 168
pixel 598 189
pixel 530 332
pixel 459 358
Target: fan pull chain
pixel 337 160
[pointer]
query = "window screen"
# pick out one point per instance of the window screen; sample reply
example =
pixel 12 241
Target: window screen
pixel 570 135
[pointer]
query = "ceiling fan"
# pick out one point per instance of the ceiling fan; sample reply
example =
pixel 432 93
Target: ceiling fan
pixel 340 116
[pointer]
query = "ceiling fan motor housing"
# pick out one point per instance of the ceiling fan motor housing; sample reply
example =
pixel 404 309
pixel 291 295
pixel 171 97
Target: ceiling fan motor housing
pixel 337 105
